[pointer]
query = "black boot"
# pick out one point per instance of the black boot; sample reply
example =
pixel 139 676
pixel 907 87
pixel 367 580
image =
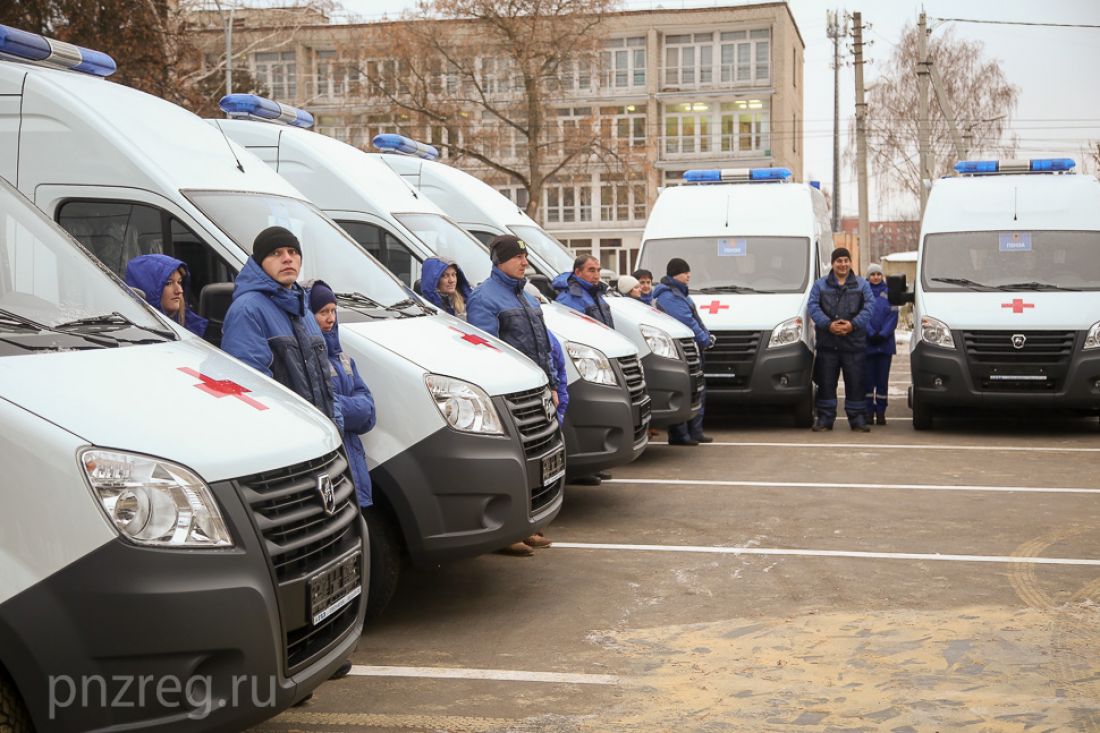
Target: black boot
pixel 880 418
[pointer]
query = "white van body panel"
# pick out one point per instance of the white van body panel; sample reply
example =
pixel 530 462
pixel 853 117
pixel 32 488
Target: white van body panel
pixel 996 311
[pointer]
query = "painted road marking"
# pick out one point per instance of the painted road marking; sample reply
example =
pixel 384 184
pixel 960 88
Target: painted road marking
pixel 717 550
pixel 903 446
pixel 886 487
pixel 361 721
pixel 504 675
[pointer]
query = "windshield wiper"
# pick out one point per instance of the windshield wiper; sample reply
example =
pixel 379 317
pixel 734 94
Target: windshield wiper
pixel 112 319
pixel 15 319
pixel 400 305
pixel 360 299
pixel 1033 286
pixel 731 289
pixel 964 282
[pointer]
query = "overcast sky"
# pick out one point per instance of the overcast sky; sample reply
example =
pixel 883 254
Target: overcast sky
pixel 1057 69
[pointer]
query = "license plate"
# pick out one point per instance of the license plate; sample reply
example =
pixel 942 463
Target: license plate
pixel 333 588
pixel 553 467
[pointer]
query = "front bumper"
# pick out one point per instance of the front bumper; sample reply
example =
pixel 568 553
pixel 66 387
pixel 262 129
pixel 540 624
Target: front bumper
pixel 458 495
pixel 751 374
pixel 132 638
pixel 1074 385
pixel 601 426
pixel 670 388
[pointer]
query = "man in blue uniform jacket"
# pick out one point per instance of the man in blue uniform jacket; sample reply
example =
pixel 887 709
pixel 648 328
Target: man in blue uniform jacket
pixel 583 291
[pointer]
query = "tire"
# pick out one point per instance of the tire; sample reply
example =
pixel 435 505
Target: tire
pixel 922 414
pixel 14 717
pixel 804 410
pixel 385 559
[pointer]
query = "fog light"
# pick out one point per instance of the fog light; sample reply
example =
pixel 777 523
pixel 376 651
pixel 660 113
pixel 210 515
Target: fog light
pixel 937 381
pixel 1096 384
pixel 785 380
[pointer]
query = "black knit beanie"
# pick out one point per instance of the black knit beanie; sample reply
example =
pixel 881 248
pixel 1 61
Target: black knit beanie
pixel 677 266
pixel 271 239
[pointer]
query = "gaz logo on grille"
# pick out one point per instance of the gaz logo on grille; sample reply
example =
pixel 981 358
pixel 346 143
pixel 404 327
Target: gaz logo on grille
pixel 1018 340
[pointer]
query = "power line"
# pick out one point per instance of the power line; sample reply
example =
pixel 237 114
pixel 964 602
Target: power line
pixel 1015 22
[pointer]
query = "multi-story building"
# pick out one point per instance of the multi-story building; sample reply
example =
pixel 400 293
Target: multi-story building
pixel 887 237
pixel 695 88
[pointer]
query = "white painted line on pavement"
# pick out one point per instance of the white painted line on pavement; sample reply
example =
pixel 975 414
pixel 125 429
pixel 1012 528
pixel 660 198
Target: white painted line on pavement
pixel 888 487
pixel 716 550
pixel 503 675
pixel 905 446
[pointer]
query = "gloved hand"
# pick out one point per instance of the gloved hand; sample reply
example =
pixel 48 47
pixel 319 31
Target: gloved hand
pixel 713 340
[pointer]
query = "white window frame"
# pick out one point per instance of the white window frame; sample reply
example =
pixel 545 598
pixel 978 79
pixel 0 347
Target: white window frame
pixel 277 71
pixel 623 64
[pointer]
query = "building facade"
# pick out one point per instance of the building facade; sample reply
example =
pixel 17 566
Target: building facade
pixel 679 89
pixel 887 237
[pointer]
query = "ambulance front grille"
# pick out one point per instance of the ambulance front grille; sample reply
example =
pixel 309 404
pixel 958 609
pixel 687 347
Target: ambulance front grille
pixel 729 364
pixel 695 368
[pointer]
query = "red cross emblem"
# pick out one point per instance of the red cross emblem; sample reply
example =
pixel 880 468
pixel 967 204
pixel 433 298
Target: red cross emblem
pixel 219 388
pixel 1017 305
pixel 474 339
pixel 714 306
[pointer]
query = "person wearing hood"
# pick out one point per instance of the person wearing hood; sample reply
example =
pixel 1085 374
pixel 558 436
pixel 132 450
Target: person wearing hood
pixel 500 306
pixel 645 281
pixel 671 296
pixel 269 326
pixel 445 286
pixel 165 281
pixel 841 305
pixel 349 391
pixel 583 291
pixel 881 346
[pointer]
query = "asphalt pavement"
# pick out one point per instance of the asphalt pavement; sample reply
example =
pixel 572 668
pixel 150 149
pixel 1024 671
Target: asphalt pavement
pixel 775 580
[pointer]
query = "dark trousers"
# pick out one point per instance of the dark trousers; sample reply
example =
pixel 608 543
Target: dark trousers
pixel 693 428
pixel 828 367
pixel 878 382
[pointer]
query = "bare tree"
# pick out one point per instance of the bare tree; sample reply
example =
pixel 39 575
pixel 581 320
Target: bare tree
pixel 484 76
pixel 983 98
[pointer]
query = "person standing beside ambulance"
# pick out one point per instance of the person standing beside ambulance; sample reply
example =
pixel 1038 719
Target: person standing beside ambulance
pixel 881 347
pixel 165 281
pixel 841 305
pixel 445 286
pixel 583 291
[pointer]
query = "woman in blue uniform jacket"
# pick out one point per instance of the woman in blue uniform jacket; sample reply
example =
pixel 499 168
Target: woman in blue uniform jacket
pixel 350 392
pixel 445 286
pixel 881 347
pixel 165 281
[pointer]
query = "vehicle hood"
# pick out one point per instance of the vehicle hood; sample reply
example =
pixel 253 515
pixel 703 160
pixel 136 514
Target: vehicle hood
pixel 140 399
pixel 631 312
pixel 453 348
pixel 747 311
pixel 569 325
pixel 1027 310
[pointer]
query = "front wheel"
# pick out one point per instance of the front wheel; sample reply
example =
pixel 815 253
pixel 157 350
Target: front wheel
pixel 922 414
pixel 14 717
pixel 385 559
pixel 804 410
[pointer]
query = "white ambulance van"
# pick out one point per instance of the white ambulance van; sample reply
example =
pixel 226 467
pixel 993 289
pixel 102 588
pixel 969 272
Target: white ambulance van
pixel 606 424
pixel 668 353
pixel 755 242
pixel 1007 298
pixel 464 459
pixel 151 575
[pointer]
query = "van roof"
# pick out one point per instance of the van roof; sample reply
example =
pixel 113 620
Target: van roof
pixel 762 209
pixel 123 137
pixel 1010 202
pixel 347 176
pixel 470 200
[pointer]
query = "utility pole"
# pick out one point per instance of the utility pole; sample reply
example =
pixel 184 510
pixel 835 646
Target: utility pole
pixel 924 125
pixel 836 31
pixel 861 145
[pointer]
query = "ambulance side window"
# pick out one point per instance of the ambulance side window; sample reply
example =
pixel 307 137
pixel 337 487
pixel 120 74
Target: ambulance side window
pixel 117 231
pixel 386 248
pixel 482 236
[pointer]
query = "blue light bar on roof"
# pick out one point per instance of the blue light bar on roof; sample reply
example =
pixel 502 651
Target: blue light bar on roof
pixel 402 144
pixel 816 184
pixel 252 105
pixel 33 47
pixel 1035 165
pixel 735 175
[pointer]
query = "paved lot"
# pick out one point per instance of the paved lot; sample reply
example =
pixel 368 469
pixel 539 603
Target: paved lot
pixel 776 580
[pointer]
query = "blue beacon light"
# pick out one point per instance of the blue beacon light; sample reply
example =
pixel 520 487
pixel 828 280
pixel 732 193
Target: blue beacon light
pixel 703 176
pixel 402 144
pixel 252 105
pixel 34 47
pixel 1052 165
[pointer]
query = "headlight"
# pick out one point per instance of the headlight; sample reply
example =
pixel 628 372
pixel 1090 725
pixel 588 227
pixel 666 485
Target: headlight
pixel 787 332
pixel 592 365
pixel 1092 340
pixel 659 342
pixel 464 406
pixel 936 332
pixel 155 502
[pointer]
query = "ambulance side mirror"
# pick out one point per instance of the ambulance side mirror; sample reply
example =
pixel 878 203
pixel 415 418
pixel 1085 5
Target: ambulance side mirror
pixel 896 290
pixel 543 284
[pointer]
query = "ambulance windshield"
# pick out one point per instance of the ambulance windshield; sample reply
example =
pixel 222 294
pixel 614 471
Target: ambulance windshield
pixel 736 264
pixel 447 241
pixel 546 247
pixel 48 281
pixel 1011 261
pixel 328 253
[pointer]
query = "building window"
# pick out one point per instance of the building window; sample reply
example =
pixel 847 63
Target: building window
pixel 745 56
pixel 744 126
pixel 381 77
pixel 622 63
pixel 517 195
pixel 623 125
pixel 688 128
pixel 277 73
pixel 335 78
pixel 568 202
pixel 622 201
pixel 575 75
